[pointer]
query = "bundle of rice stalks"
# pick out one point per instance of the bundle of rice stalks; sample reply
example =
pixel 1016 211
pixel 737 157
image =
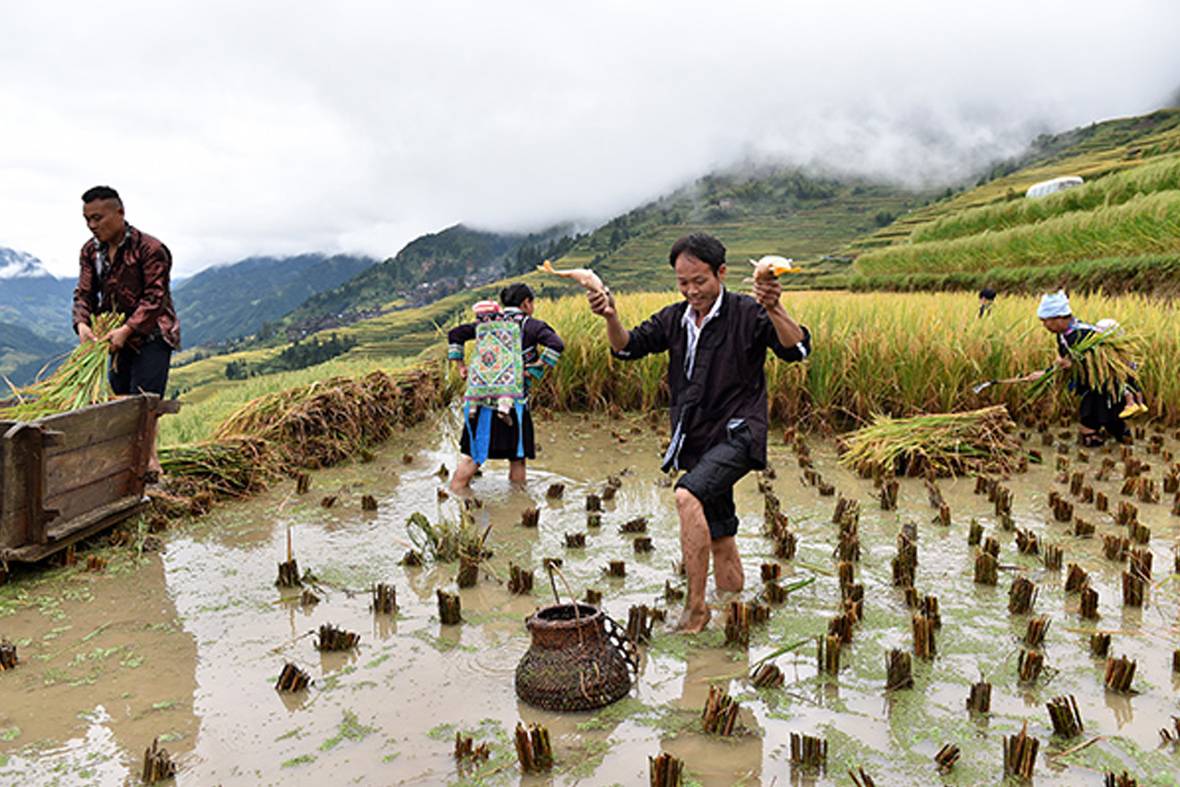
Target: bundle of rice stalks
pixel 1103 361
pixel 328 421
pixel 233 467
pixel 81 380
pixel 943 444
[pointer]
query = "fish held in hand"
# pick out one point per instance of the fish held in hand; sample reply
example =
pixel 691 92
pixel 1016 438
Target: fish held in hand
pixel 772 266
pixel 584 276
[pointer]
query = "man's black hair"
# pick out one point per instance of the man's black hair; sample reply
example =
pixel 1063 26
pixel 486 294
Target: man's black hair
pixel 100 192
pixel 701 245
pixel 988 294
pixel 514 295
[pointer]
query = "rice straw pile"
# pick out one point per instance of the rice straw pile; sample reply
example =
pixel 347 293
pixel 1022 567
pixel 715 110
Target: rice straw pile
pixel 944 444
pixel 81 380
pixel 234 467
pixel 328 421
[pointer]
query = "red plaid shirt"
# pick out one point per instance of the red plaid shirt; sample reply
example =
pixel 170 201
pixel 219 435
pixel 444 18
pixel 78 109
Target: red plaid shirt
pixel 134 284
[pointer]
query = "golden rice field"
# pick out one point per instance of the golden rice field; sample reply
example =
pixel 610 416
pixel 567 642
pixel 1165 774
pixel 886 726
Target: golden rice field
pixel 1145 224
pixel 898 354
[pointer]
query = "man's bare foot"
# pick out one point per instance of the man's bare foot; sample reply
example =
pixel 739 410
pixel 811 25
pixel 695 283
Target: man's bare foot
pixel 693 622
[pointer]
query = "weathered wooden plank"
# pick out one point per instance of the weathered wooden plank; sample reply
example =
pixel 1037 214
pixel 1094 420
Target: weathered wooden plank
pixel 95 424
pixel 12 525
pixel 94 495
pixel 82 466
pixel 20 508
pixel 84 526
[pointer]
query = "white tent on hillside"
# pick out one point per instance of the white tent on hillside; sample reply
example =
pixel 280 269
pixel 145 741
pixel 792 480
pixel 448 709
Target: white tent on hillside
pixel 1047 187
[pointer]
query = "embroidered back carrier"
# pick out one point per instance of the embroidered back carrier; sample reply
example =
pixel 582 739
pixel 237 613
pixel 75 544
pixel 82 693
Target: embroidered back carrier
pixel 495 376
pixel 496 371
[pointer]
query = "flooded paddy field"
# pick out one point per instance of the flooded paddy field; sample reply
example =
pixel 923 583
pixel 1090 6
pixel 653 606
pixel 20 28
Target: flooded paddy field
pixel 185 642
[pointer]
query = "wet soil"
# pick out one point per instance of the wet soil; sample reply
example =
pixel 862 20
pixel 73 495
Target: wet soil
pixel 186 644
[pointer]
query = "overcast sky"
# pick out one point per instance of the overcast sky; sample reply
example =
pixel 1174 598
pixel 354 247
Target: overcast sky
pixel 236 128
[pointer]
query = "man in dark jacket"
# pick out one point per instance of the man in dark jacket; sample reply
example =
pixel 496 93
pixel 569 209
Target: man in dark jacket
pixel 716 343
pixel 127 271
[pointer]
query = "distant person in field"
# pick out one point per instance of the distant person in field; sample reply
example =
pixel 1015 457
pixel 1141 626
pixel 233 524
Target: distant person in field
pixel 513 349
pixel 987 299
pixel 716 342
pixel 1099 409
pixel 127 271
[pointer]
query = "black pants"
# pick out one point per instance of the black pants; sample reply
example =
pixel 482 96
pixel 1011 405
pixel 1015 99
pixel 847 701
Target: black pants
pixel 711 480
pixel 141 371
pixel 1098 411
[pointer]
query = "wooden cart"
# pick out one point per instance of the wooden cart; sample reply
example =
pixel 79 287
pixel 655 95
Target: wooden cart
pixel 68 476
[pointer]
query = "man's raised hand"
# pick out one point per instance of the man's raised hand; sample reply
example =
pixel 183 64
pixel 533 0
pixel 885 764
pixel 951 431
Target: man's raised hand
pixel 602 303
pixel 767 292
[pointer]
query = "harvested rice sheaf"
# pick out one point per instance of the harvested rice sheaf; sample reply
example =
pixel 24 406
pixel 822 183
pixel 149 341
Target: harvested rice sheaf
pixel 942 444
pixel 230 467
pixel 328 421
pixel 81 380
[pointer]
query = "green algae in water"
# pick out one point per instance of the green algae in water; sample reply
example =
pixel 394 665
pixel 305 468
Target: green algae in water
pixel 613 714
pixel 498 768
pixel 378 661
pixel 442 644
pixel 681 646
pixel 295 733
pixel 587 755
pixel 350 729
pixel 295 762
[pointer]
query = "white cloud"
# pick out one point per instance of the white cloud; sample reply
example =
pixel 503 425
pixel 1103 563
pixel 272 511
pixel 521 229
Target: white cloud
pixel 266 127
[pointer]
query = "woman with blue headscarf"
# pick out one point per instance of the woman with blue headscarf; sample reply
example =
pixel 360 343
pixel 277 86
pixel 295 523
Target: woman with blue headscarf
pixel 1099 408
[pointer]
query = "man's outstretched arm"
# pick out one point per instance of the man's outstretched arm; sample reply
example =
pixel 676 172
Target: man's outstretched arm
pixel 788 332
pixel 603 304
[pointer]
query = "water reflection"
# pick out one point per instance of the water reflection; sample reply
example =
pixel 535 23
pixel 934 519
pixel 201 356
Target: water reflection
pixel 1120 705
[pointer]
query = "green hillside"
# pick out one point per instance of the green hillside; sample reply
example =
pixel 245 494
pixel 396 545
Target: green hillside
pixel 430 266
pixel 23 354
pixel 765 211
pixel 1126 217
pixel 228 301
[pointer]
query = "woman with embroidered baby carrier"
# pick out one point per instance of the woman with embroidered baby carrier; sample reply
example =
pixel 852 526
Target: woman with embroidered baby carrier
pixel 512 351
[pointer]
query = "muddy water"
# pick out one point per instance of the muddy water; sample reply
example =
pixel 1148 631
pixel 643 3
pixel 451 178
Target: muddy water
pixel 186 644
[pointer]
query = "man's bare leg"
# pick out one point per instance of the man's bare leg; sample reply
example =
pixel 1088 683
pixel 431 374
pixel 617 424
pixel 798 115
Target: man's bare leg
pixel 516 472
pixel 727 565
pixel 153 465
pixel 464 472
pixel 694 548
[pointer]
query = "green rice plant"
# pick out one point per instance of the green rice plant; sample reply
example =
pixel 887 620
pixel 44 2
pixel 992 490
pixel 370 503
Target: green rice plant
pixel 1145 224
pixel 1116 189
pixel 446 540
pixel 81 380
